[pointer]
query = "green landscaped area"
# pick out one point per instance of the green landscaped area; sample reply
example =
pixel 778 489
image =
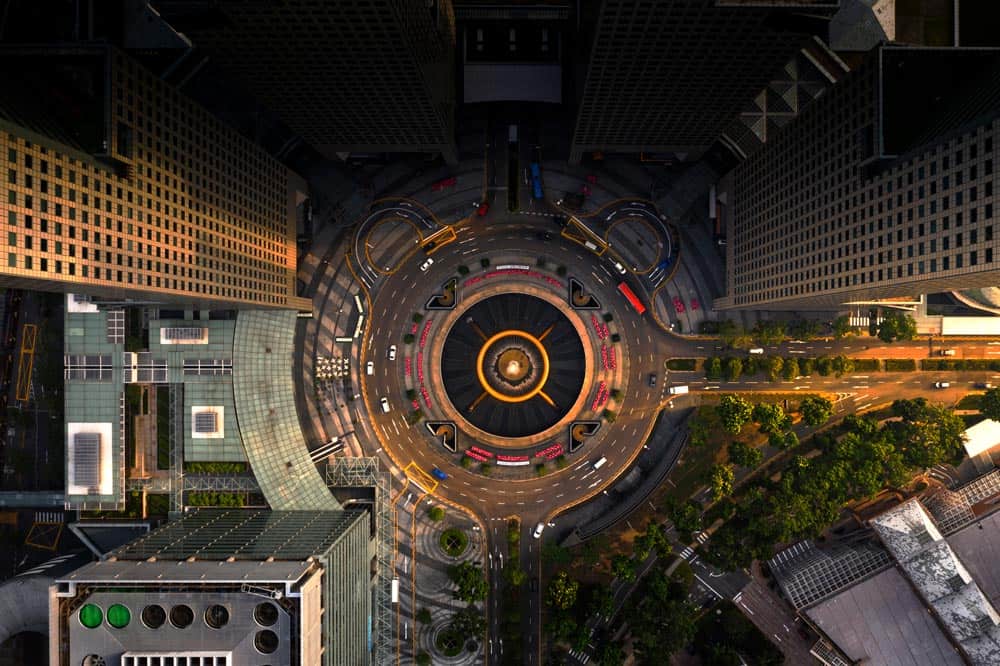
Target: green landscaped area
pixel 454 541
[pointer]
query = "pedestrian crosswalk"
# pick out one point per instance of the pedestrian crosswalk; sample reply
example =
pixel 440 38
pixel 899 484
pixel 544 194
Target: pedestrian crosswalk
pixel 581 657
pixel 48 516
pixel 687 552
pixel 702 537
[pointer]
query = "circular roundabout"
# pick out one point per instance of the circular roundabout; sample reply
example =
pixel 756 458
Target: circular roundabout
pixel 512 366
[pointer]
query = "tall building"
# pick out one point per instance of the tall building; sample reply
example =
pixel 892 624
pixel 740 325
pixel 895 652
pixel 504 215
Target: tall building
pixel 118 186
pixel 348 76
pixel 882 187
pixel 670 76
pixel 223 587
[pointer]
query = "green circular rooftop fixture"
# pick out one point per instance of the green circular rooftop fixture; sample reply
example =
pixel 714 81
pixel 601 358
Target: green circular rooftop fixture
pixel 91 616
pixel 119 616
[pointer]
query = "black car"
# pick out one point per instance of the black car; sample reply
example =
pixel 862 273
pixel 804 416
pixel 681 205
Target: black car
pixel 544 236
pixel 652 379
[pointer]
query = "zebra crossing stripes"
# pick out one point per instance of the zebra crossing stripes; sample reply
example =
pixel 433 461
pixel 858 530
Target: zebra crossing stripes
pixel 581 657
pixel 48 516
pixel 687 552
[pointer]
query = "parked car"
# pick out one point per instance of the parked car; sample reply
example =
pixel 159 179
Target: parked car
pixel 942 385
pixel 392 353
pixel 438 474
pixel 427 264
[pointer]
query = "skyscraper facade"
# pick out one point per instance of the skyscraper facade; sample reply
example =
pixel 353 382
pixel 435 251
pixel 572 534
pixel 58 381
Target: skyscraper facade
pixel 670 76
pixel 883 187
pixel 118 186
pixel 346 75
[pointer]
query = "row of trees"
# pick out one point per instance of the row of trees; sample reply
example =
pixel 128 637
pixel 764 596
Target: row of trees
pixel 731 368
pixel 856 460
pixel 894 326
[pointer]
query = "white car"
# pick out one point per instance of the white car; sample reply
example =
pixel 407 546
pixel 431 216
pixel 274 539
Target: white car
pixel 392 352
pixel 538 530
pixel 370 368
pixel 942 385
pixel 619 267
pixel 384 402
pixel 427 264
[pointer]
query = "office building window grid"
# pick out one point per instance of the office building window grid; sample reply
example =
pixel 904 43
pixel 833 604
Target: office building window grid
pixel 662 74
pixel 809 222
pixel 201 211
pixel 343 73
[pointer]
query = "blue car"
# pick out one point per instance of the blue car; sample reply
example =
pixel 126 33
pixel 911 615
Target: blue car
pixel 438 474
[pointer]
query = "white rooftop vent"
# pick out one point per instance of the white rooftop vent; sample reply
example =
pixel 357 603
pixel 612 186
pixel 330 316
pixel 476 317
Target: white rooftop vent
pixel 87 459
pixel 207 422
pixel 183 335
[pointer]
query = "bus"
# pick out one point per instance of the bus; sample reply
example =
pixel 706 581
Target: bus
pixel 631 298
pixel 536 181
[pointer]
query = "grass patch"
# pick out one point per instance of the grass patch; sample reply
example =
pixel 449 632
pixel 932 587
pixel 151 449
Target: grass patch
pixel 682 364
pixel 449 642
pixel 454 541
pixel 157 505
pixel 900 365
pixel 162 427
pixel 970 401
pixel 866 365
pixel 215 467
pixel 959 364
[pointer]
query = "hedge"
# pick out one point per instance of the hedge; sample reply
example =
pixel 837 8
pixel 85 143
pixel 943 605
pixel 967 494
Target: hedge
pixel 900 365
pixel 682 364
pixel 960 364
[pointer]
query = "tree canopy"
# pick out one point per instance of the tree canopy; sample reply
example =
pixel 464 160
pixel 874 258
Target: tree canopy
pixel 815 410
pixel 897 326
pixel 744 455
pixel 562 591
pixel 734 412
pixel 472 585
pixel 989 405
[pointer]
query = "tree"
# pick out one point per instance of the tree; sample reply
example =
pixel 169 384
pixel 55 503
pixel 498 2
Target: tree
pixel 424 616
pixel 806 366
pixel 771 417
pixel 424 659
pixel 472 585
pixel 744 455
pixel 842 327
pixel 436 513
pixel 734 369
pixel 791 440
pixel 824 365
pixel 602 602
pixel 790 369
pixel 653 539
pixel 713 368
pixel 897 326
pixel 774 365
pixel 842 365
pixel 468 622
pixel 686 517
pixel 610 653
pixel 721 479
pixel 562 591
pixel 623 567
pixel 816 410
pixel 514 574
pixel 734 412
pixel 770 332
pixel 989 405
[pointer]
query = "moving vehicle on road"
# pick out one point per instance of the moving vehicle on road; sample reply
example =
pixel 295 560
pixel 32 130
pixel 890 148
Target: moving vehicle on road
pixel 942 385
pixel 947 352
pixel 445 183
pixel 392 352
pixel 370 368
pixel 619 267
pixel 384 403
pixel 600 463
pixel 632 299
pixel 536 181
pixel 427 264
pixel 678 390
pixel 538 530
pixel 438 474
pixel 652 379
pixel 482 209
pixel 984 385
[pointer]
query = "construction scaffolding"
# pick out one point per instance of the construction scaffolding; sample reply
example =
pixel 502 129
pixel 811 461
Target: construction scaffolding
pixel 365 473
pixel 218 483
